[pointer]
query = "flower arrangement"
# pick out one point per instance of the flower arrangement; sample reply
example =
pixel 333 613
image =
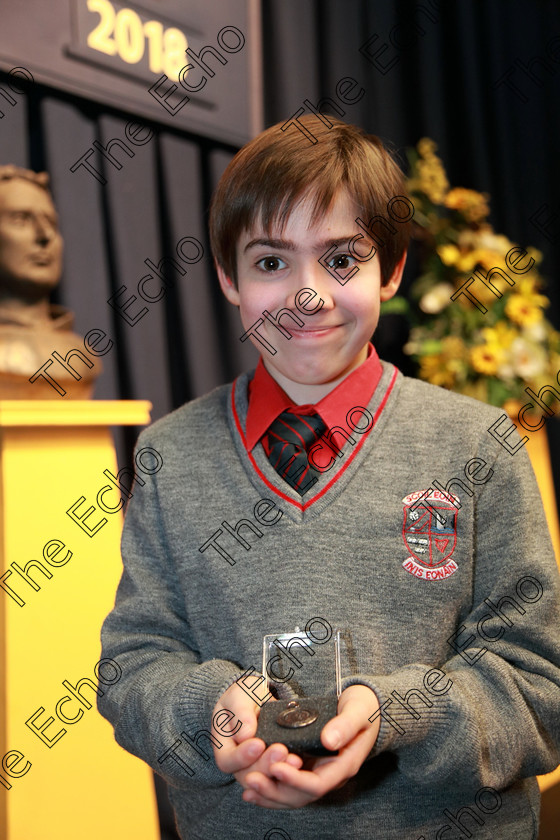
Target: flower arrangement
pixel 493 355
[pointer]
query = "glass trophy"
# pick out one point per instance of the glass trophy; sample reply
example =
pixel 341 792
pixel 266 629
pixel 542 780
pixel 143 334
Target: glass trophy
pixel 303 673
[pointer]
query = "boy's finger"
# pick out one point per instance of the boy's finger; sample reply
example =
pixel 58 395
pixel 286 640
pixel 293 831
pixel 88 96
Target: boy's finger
pixel 232 758
pixel 351 719
pixel 261 801
pixel 328 773
pixel 304 782
pixel 269 793
pixel 244 712
pixel 247 729
pixel 343 728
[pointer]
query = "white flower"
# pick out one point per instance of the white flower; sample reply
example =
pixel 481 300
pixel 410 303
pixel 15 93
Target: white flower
pixel 486 239
pixel 505 372
pixel 535 332
pixel 494 242
pixel 437 298
pixel 529 360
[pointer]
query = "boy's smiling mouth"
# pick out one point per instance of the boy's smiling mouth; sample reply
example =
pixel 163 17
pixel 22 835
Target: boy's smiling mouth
pixel 313 332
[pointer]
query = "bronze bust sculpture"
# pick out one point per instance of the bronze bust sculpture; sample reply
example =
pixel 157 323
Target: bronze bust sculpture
pixel 31 328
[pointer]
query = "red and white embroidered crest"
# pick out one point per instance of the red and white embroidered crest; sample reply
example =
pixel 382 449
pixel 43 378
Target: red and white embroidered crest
pixel 430 534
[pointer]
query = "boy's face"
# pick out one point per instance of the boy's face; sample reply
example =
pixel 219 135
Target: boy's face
pixel 271 271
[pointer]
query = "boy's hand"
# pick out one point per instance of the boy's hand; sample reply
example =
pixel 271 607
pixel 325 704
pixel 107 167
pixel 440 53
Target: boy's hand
pixel 242 753
pixel 285 785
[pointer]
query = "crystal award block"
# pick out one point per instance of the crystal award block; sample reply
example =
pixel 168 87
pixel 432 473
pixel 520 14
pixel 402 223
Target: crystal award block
pixel 302 670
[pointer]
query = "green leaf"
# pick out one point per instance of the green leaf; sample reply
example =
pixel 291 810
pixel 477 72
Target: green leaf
pixel 498 391
pixel 395 306
pixel 430 347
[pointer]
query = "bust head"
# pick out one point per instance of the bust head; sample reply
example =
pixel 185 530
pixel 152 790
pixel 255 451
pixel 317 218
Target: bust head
pixel 30 241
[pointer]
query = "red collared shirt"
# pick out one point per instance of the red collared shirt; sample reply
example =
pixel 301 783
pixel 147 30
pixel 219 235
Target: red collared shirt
pixel 267 399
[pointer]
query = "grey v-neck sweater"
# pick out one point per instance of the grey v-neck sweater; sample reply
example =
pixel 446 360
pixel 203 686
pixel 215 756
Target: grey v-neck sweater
pixel 411 593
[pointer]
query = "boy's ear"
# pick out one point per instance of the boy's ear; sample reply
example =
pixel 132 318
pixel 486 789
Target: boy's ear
pixel 228 286
pixel 390 289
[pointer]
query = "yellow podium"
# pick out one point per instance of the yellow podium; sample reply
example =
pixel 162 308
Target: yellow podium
pixel 62 775
pixel 539 453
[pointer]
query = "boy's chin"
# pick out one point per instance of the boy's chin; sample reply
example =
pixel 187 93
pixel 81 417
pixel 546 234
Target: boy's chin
pixel 320 374
pixel 304 377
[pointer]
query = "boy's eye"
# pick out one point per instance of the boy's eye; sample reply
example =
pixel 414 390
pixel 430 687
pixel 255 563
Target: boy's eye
pixel 271 264
pixel 341 260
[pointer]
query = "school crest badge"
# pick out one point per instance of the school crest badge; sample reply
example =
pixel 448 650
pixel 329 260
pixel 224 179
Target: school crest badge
pixel 430 534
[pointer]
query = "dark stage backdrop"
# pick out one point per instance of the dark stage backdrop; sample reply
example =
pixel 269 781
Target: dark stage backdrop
pixel 480 78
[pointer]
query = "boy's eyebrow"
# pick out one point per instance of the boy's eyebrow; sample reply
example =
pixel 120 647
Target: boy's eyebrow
pixel 279 244
pixel 287 245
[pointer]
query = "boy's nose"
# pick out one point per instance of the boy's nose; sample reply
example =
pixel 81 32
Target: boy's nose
pixel 314 291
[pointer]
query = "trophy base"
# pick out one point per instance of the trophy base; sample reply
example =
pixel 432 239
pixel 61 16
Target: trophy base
pixel 297 724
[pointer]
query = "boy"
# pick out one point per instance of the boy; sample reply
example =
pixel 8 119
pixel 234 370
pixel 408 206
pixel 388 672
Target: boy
pixel 447 601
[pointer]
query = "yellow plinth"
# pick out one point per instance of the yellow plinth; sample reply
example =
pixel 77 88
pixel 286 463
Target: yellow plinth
pixel 75 781
pixel 539 453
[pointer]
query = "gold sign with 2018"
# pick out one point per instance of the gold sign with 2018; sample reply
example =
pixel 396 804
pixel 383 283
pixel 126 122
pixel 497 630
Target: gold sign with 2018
pixel 129 35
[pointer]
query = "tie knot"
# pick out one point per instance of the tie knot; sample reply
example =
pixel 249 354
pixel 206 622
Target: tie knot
pixel 289 438
pixel 301 430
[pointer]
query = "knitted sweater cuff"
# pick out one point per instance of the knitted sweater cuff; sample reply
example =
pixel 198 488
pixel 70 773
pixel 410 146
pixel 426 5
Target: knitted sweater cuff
pixel 414 708
pixel 196 701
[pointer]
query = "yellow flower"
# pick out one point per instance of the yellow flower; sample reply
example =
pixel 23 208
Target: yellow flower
pixel 482 292
pixel 500 335
pixel 467 261
pixel 434 369
pixel 473 205
pixel 426 147
pixel 487 358
pixel 453 347
pixel 485 257
pixel 527 286
pixel 522 310
pixel 489 259
pixel 430 173
pixel 448 254
pixel 432 179
pixel 535 254
pixel 500 338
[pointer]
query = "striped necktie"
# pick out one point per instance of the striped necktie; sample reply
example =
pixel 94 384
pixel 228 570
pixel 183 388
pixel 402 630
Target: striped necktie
pixel 289 437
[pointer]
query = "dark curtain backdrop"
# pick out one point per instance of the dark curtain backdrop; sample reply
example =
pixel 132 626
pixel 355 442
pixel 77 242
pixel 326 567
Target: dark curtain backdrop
pixel 445 84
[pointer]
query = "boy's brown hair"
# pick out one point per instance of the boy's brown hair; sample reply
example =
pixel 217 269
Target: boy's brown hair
pixel 268 176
